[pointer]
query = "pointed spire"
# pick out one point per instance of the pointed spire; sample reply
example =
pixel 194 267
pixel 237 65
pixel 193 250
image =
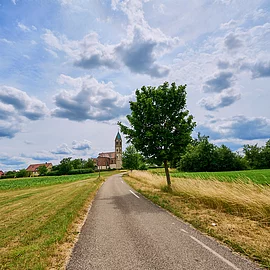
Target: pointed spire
pixel 118 136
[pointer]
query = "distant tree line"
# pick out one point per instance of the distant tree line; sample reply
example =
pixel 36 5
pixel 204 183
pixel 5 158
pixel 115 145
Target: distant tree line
pixel 66 166
pixel 201 155
pixel 16 174
pixel 76 166
pixel 257 157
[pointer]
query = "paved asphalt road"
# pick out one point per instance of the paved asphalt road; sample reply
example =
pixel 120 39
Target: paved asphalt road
pixel 123 230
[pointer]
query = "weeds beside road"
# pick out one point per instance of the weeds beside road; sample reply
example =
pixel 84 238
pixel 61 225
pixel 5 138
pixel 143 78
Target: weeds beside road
pixel 236 213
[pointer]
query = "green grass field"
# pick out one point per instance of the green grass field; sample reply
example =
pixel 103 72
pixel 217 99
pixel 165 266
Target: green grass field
pixel 38 218
pixel 256 176
pixel 28 182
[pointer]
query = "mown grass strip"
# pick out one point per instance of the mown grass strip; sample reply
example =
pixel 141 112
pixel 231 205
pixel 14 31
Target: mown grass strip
pixel 37 223
pixel 240 212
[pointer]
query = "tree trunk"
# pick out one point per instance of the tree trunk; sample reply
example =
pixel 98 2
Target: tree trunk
pixel 167 173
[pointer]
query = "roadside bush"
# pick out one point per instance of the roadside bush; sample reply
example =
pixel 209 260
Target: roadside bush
pixel 53 173
pixel 81 171
pixel 8 176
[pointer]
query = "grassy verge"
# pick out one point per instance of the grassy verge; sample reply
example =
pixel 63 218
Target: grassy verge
pixel 236 213
pixel 39 223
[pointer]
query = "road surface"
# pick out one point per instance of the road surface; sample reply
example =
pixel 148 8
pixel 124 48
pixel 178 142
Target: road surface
pixel 124 230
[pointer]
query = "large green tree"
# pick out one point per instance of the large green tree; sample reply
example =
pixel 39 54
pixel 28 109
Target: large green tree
pixel 202 156
pixel 160 125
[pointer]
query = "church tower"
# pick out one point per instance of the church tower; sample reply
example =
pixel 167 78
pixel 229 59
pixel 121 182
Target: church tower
pixel 118 151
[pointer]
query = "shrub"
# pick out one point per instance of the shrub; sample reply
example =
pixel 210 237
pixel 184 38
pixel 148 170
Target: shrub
pixel 81 171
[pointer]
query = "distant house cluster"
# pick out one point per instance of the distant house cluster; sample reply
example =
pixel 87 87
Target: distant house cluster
pixel 111 160
pixel 33 168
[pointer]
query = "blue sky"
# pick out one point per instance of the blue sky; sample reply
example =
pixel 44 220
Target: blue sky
pixel 68 69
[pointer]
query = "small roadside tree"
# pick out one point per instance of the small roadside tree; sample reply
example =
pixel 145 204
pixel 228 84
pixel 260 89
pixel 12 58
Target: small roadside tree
pixel 42 170
pixel 160 125
pixel 65 166
pixel 132 160
pixel 89 164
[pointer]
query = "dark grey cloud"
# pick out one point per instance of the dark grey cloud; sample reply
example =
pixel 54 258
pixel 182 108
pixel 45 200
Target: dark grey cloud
pixel 83 145
pixel 139 52
pixel 232 42
pixel 260 69
pixel 8 130
pixel 220 101
pixel 96 61
pixel 91 100
pixel 5 111
pixel 237 127
pixel 246 128
pixel 10 161
pixel 219 82
pixel 12 98
pixel 207 131
pixel 34 115
pixel 14 102
pixel 139 58
pixel 15 108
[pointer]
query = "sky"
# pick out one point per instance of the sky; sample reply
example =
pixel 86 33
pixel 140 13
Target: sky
pixel 68 69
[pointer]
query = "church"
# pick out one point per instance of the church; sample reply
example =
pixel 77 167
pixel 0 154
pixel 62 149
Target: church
pixel 111 160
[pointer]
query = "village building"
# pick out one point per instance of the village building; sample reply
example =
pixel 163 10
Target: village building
pixel 111 160
pixel 33 168
pixel 1 173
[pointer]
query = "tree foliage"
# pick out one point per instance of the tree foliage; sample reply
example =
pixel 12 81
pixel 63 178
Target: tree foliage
pixel 257 157
pixel 132 159
pixel 65 166
pixel 201 155
pixel 76 166
pixel 160 125
pixel 89 164
pixel 22 173
pixel 42 170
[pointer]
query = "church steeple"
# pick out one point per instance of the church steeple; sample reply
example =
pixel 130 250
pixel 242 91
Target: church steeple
pixel 118 151
pixel 118 136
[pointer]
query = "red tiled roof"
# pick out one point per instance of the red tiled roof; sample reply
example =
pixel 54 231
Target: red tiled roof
pixel 107 154
pixel 1 173
pixel 34 167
